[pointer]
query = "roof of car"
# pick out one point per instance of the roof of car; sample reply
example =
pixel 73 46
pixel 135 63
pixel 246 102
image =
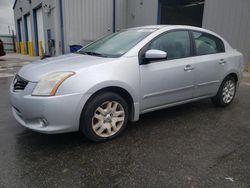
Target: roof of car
pixel 171 27
pixel 150 27
pixel 167 26
pixel 184 27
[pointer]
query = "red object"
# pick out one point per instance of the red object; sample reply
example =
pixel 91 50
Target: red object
pixel 2 52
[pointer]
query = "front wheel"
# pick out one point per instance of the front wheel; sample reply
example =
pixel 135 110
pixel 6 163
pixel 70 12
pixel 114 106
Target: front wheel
pixel 226 92
pixel 104 117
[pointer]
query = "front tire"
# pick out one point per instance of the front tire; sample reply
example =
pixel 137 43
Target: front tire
pixel 226 92
pixel 104 117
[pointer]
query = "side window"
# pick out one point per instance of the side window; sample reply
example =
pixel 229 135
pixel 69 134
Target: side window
pixel 176 44
pixel 207 44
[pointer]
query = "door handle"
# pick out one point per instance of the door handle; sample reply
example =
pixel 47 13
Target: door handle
pixel 188 68
pixel 222 61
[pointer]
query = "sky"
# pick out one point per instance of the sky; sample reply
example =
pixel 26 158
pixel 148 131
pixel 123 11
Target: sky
pixel 6 16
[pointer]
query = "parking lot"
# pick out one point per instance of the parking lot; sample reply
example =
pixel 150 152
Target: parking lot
pixel 193 145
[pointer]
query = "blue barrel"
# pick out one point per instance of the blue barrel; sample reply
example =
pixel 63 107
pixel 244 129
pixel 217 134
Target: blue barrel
pixel 74 48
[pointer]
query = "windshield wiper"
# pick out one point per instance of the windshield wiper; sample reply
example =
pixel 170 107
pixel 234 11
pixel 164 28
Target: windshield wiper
pixel 94 54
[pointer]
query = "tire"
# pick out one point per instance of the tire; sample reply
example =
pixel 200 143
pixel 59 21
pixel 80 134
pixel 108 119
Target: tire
pixel 226 93
pixel 104 117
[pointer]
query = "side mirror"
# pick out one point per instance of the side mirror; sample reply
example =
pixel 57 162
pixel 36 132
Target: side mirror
pixel 152 55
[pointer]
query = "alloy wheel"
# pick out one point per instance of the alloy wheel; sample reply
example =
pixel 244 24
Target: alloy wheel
pixel 108 119
pixel 228 91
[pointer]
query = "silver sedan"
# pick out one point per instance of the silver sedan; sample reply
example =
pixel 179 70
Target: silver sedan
pixel 125 74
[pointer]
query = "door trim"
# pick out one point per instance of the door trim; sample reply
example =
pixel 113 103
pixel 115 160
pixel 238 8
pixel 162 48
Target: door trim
pixel 166 92
pixel 208 83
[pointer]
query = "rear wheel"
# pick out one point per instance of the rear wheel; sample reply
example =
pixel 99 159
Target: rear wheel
pixel 104 117
pixel 226 92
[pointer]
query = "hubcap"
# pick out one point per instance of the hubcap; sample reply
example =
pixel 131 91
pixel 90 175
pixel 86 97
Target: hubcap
pixel 108 119
pixel 228 91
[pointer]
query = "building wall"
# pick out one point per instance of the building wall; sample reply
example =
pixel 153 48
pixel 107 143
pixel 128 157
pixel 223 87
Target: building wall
pixel 121 14
pixel 87 20
pixel 23 7
pixel 83 21
pixel 142 12
pixel 230 19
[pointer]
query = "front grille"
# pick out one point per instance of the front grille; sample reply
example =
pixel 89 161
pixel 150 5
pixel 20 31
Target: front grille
pixel 19 83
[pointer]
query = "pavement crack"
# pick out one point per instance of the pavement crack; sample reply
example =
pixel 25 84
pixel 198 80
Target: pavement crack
pixel 223 157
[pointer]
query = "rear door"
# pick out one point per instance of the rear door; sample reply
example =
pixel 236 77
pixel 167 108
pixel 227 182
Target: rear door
pixel 171 80
pixel 209 63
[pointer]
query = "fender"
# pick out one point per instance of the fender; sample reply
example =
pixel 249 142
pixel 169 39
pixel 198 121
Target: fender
pixel 103 85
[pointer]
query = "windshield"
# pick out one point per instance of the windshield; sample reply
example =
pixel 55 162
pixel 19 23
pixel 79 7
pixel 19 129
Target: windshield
pixel 116 44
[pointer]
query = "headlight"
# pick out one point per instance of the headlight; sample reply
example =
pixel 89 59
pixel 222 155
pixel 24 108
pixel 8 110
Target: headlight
pixel 49 84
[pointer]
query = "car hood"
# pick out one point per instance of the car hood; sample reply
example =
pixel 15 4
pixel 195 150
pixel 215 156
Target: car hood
pixel 70 62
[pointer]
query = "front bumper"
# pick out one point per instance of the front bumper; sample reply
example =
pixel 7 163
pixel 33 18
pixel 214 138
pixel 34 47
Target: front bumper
pixel 56 114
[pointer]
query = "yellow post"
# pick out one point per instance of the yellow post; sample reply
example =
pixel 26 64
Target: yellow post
pixel 22 48
pixel 17 47
pixel 30 47
pixel 249 67
pixel 41 49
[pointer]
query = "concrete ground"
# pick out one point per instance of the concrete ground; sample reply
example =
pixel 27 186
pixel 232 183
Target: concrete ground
pixel 193 145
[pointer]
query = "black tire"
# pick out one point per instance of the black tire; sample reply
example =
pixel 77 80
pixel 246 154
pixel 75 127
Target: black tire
pixel 218 99
pixel 90 109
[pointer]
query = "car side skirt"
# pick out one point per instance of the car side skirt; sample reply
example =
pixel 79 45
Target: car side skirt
pixel 173 104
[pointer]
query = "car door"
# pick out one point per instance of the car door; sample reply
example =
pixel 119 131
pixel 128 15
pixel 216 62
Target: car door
pixel 170 80
pixel 209 63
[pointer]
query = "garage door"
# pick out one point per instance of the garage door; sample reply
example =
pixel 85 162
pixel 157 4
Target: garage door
pixel 20 31
pixel 29 29
pixel 20 45
pixel 40 30
pixel 29 36
pixel 182 12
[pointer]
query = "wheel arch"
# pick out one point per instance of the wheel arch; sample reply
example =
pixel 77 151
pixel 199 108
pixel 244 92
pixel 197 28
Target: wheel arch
pixel 234 75
pixel 120 91
pixel 126 94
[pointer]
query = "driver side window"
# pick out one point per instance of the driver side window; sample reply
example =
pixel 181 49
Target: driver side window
pixel 176 44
